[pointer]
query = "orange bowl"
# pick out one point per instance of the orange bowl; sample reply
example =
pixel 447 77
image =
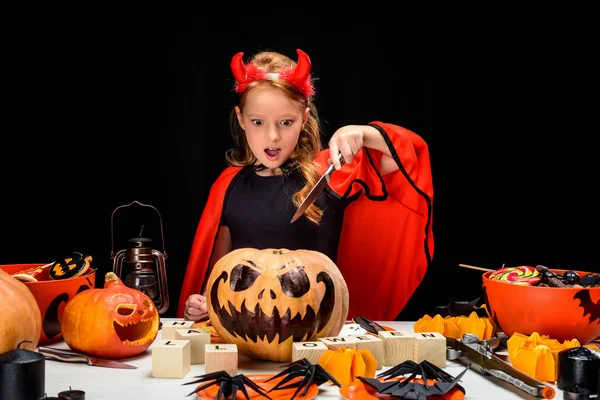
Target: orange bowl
pixel 52 296
pixel 561 313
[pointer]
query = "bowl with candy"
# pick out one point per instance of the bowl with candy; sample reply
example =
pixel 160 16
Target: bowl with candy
pixel 563 304
pixel 52 286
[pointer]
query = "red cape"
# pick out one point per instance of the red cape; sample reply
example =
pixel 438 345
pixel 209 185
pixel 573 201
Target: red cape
pixel 386 242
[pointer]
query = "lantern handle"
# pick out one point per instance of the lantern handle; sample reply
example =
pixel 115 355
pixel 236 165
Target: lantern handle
pixel 112 237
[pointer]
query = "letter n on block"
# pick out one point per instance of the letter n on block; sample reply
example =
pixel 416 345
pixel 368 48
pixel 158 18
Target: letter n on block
pixel 312 351
pixel 397 347
pixel 431 347
pixel 171 358
pixel 221 357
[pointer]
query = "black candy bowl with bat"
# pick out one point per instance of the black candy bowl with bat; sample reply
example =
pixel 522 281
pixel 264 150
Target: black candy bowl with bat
pixel 562 313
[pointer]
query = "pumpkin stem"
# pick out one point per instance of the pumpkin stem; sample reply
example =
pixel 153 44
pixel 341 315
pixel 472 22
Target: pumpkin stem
pixel 23 341
pixel 110 277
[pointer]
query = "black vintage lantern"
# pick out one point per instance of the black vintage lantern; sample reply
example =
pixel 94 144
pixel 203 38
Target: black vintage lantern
pixel 142 267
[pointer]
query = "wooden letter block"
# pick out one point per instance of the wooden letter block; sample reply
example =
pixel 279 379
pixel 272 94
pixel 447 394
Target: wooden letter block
pixel 312 351
pixel 221 357
pixel 336 342
pixel 171 358
pixel 168 329
pixel 198 339
pixel 373 344
pixel 397 347
pixel 430 346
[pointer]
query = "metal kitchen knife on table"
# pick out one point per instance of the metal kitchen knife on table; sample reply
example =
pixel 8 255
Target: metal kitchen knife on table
pixel 316 190
pixel 52 353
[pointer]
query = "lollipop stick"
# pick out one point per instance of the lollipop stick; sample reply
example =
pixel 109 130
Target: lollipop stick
pixel 474 267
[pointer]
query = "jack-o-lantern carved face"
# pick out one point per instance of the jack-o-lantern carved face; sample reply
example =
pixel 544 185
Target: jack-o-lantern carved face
pixel 263 300
pixel 119 321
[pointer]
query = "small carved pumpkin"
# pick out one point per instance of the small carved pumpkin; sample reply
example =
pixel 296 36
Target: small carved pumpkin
pixel 263 300
pixel 20 318
pixel 111 322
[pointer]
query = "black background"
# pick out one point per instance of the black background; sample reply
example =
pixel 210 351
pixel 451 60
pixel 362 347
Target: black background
pixel 102 112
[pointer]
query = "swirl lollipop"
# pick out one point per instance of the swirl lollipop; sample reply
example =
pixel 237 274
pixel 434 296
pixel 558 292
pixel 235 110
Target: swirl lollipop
pixel 522 275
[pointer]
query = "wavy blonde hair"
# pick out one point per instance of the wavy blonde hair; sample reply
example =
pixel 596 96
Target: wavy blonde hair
pixel 309 141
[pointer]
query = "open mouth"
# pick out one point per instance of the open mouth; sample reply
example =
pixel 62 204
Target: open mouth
pixel 272 152
pixel 132 333
pixel 256 324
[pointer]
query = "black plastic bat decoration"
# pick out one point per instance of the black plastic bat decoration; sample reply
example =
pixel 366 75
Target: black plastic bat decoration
pixel 409 388
pixel 228 385
pixel 310 373
pixel 588 305
pixel 460 308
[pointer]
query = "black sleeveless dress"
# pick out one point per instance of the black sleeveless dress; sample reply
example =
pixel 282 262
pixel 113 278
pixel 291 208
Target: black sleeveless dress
pixel 258 210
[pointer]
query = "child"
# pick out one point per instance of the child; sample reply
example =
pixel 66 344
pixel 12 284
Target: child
pixel 374 219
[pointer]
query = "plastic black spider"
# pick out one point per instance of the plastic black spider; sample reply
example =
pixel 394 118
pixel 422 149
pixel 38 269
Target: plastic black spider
pixel 311 373
pixel 228 385
pixel 410 389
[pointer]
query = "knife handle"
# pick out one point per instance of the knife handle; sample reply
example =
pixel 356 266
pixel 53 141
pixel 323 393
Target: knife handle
pixel 52 353
pixel 332 168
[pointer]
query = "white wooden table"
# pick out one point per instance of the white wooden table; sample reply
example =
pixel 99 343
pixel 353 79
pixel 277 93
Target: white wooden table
pixel 120 384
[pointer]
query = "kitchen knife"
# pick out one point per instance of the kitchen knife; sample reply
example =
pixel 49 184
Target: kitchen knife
pixel 316 190
pixel 52 353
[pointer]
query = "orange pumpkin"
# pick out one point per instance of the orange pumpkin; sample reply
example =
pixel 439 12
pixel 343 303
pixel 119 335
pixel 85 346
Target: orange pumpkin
pixel 111 322
pixel 263 300
pixel 20 318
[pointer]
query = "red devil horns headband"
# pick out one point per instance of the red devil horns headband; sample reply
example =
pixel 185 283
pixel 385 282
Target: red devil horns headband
pixel 299 76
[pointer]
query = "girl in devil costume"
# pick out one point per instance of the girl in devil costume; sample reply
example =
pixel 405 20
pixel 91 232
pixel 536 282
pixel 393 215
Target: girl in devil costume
pixel 374 219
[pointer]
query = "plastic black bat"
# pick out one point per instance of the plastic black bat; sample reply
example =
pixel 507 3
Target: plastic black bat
pixel 588 305
pixel 310 373
pixel 590 280
pixel 228 385
pixel 460 308
pixel 410 387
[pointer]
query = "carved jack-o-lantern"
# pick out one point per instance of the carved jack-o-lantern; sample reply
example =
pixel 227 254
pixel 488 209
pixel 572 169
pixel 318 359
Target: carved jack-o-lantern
pixel 263 300
pixel 113 322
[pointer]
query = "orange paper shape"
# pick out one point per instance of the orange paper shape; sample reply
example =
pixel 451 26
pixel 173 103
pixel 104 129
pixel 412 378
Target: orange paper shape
pixel 456 327
pixel 537 355
pixel 429 324
pixel 345 364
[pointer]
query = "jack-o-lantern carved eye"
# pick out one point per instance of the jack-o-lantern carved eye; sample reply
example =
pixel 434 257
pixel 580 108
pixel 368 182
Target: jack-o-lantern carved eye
pixel 242 277
pixel 294 283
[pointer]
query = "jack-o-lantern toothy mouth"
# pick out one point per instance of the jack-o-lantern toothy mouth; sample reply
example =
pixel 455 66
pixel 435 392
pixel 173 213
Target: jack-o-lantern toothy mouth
pixel 132 333
pixel 255 324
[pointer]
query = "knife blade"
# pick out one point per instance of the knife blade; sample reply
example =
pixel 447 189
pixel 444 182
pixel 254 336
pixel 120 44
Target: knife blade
pixel 52 353
pixel 316 190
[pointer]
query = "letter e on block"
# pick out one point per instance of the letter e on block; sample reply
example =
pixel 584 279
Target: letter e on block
pixel 397 347
pixel 373 344
pixel 168 329
pixel 221 357
pixel 198 339
pixel 312 351
pixel 431 347
pixel 171 358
